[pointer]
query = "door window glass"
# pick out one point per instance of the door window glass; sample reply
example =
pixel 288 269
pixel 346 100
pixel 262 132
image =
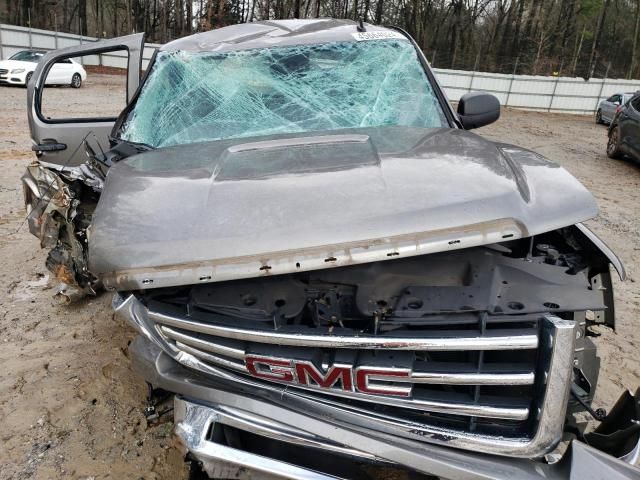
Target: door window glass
pixel 86 87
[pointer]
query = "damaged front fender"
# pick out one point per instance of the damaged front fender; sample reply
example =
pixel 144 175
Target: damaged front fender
pixel 59 206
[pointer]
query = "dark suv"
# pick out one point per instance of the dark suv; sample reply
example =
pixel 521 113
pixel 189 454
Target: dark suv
pixel 624 132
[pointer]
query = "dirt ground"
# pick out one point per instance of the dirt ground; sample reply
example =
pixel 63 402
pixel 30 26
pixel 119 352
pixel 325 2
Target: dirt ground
pixel 70 405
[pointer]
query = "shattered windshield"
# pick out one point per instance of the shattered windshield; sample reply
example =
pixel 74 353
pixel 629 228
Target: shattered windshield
pixel 194 97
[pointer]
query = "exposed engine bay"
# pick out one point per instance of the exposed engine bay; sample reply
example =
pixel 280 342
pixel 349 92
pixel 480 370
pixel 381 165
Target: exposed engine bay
pixel 498 291
pixel 519 277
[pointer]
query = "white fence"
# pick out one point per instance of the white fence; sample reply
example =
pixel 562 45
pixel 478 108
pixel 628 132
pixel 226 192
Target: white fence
pixel 14 39
pixel 553 94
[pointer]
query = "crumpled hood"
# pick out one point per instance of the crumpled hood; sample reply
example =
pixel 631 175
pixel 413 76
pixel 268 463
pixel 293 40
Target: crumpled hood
pixel 248 207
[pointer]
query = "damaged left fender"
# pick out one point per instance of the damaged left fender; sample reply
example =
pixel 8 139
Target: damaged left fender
pixel 60 204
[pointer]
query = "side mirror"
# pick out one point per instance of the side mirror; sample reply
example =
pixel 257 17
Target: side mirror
pixel 477 109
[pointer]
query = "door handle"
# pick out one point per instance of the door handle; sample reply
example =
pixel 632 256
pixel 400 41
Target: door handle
pixel 49 147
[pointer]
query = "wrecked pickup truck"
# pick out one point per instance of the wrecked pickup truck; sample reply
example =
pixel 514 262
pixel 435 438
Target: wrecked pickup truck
pixel 323 263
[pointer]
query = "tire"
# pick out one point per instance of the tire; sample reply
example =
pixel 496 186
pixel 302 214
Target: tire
pixel 76 80
pixel 27 78
pixel 613 145
pixel 599 120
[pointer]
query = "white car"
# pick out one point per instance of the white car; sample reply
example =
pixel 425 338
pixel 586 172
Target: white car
pixel 17 70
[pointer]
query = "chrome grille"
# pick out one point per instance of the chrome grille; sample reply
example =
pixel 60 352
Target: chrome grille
pixel 459 426
pixel 505 408
pixel 3 71
pixel 478 388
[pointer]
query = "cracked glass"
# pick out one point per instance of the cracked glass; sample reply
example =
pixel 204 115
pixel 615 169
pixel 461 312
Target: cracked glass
pixel 203 96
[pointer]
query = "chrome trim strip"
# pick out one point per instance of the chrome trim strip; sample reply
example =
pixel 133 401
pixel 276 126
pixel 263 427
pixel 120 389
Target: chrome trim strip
pixel 633 456
pixel 313 258
pixel 208 357
pixel 267 428
pixel 192 424
pixel 499 340
pixel 452 378
pixel 203 344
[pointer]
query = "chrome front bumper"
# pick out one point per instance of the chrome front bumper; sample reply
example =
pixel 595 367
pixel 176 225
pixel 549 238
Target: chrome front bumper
pixel 194 421
pixel 201 402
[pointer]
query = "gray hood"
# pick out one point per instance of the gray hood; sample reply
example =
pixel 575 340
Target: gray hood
pixel 248 207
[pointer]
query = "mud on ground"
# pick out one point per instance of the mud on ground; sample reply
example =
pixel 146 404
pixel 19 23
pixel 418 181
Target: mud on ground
pixel 70 405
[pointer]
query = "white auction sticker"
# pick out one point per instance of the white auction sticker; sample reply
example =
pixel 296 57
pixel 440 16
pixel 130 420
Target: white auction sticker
pixel 379 35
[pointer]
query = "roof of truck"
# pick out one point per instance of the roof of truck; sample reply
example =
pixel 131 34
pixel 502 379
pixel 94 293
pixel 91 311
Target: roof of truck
pixel 272 33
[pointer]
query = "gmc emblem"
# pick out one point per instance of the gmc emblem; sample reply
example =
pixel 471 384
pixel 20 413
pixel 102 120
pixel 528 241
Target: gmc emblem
pixel 343 377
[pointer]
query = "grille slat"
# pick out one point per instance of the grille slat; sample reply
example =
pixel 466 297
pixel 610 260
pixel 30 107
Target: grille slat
pixel 507 339
pixel 209 346
pixel 462 378
pixel 211 358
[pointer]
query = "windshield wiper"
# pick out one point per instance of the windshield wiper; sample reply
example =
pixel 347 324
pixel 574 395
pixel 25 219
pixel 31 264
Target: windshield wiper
pixel 123 149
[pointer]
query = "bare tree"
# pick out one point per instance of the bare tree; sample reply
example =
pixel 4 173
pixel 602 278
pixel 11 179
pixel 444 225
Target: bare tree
pixel 543 35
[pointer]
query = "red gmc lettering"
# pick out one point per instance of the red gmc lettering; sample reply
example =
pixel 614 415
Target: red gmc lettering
pixel 270 368
pixel 363 380
pixel 365 375
pixel 306 370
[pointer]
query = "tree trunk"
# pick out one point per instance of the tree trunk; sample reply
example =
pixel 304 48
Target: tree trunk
pixel 82 14
pixel 570 29
pixel 96 9
pixel 596 38
pixel 9 9
pixel 365 14
pixel 102 27
pixel 576 55
pixel 115 19
pixel 516 33
pixel 632 63
pixel 189 17
pixel 379 9
pixel 65 12
pixel 221 13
